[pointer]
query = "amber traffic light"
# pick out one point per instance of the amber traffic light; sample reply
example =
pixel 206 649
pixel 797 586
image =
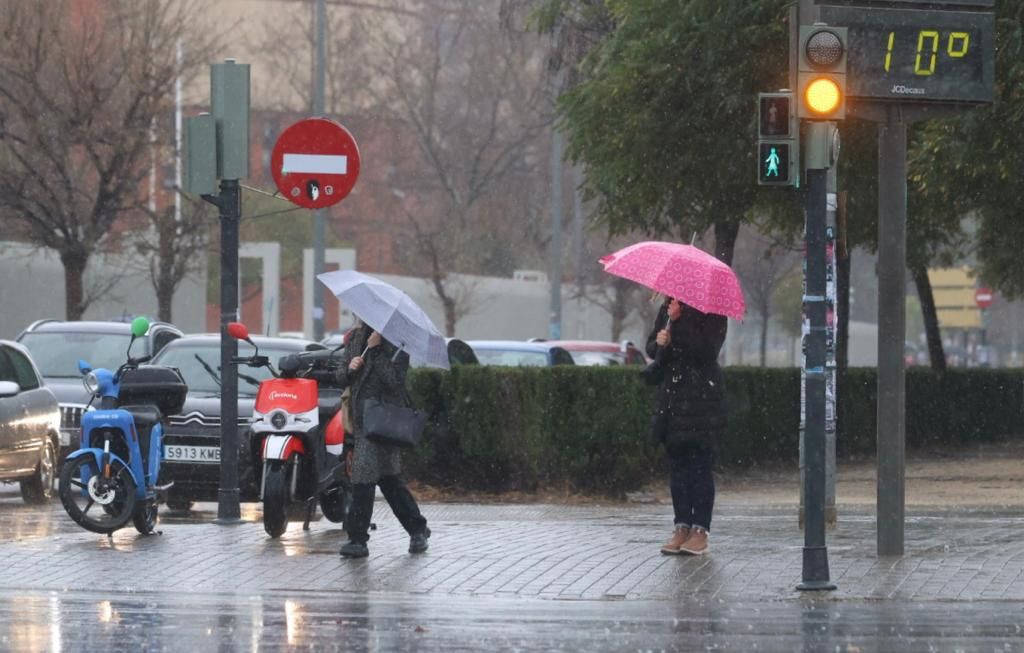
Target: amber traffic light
pixel 822 73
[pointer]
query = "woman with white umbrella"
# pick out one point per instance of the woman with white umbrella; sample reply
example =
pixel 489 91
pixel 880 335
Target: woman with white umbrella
pixel 375 363
pixel 374 368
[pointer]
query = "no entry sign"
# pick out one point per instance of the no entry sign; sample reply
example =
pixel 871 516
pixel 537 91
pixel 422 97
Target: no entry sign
pixel 315 163
pixel 983 297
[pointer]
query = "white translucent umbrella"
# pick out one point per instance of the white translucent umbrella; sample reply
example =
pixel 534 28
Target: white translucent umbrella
pixel 391 313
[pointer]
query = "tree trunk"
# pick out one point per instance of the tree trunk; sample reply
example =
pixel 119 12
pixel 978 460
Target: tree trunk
pixel 74 262
pixel 764 340
pixel 931 318
pixel 165 281
pixel 725 240
pixel 164 297
pixel 620 310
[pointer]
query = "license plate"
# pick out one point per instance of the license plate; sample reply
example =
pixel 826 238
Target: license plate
pixel 186 453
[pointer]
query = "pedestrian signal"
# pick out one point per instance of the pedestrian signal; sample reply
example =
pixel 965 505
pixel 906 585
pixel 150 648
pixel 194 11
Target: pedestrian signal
pixel 774 163
pixel 774 116
pixel 821 79
pixel 778 139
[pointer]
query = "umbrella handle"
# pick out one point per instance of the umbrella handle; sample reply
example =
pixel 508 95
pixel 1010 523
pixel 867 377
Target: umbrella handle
pixel 398 350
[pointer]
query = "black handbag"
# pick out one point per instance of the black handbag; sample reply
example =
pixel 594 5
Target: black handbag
pixel 396 426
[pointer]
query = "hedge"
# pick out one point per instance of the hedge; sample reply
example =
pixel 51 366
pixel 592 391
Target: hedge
pixel 585 428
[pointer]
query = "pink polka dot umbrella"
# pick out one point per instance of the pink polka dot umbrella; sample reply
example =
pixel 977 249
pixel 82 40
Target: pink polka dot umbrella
pixel 684 272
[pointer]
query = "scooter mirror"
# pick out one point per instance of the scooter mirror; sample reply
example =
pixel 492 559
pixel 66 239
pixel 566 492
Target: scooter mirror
pixel 238 331
pixel 83 367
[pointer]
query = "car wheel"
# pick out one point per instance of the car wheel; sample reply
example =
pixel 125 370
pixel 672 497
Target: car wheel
pixel 39 488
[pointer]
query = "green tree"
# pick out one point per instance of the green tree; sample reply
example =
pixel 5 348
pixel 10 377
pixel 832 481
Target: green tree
pixel 974 163
pixel 663 120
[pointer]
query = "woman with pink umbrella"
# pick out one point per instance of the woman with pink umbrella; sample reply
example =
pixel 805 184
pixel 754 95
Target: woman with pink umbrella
pixel 690 410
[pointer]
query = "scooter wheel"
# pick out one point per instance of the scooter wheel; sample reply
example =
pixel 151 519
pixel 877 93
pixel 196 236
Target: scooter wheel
pixel 145 517
pixel 275 499
pixel 98 505
pixel 335 503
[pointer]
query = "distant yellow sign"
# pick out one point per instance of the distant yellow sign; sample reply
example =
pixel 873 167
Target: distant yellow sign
pixel 953 290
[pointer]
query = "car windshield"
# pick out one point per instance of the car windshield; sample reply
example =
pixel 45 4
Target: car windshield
pixel 512 357
pixel 200 366
pixel 596 358
pixel 57 353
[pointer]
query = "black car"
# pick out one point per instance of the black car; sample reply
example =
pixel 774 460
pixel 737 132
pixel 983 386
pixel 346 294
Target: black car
pixel 57 346
pixel 29 423
pixel 192 441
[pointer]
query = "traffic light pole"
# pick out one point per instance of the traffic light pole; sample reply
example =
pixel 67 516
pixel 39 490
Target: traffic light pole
pixel 815 553
pixel 230 206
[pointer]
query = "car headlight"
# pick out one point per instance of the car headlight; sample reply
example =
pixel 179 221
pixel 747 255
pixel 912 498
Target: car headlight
pixel 91 383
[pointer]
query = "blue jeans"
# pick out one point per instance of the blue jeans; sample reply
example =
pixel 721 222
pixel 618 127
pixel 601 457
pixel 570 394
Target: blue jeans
pixel 692 485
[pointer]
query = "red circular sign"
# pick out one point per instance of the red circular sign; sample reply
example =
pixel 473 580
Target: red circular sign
pixel 315 163
pixel 983 297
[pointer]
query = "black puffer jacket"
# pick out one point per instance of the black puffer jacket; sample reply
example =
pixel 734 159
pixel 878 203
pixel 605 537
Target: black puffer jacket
pixel 692 390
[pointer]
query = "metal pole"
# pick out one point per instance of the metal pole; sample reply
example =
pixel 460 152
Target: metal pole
pixel 815 553
pixel 319 215
pixel 555 327
pixel 892 263
pixel 228 509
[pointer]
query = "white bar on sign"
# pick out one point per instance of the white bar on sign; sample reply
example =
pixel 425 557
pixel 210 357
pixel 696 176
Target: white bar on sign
pixel 325 164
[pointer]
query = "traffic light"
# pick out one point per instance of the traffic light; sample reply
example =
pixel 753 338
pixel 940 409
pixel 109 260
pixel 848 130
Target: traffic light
pixel 778 140
pixel 821 79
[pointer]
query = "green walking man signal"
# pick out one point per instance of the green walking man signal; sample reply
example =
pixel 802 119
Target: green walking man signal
pixel 778 144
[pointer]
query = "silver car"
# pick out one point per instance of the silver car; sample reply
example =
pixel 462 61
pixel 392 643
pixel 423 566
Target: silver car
pixel 29 425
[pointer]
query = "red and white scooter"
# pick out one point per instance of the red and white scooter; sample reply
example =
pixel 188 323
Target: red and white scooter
pixel 297 433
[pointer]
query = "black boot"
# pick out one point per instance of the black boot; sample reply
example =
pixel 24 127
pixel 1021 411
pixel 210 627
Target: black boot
pixel 418 542
pixel 403 504
pixel 357 523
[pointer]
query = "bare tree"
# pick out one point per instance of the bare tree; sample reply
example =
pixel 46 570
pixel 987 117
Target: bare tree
pixel 762 265
pixel 79 96
pixel 173 248
pixel 473 96
pixel 287 50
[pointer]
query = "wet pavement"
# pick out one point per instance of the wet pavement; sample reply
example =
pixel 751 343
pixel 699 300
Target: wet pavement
pixel 510 577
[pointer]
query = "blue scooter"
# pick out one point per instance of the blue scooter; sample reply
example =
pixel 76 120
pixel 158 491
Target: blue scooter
pixel 113 477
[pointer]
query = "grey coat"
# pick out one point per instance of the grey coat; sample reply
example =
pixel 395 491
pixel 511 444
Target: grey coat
pixel 382 378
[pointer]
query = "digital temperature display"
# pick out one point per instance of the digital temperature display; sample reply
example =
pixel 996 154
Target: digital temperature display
pixel 917 55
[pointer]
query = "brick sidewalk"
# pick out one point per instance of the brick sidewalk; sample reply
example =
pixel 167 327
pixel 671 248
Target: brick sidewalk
pixel 538 551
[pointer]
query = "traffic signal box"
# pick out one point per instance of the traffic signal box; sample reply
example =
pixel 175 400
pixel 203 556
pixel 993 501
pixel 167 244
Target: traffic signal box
pixel 778 140
pixel 821 76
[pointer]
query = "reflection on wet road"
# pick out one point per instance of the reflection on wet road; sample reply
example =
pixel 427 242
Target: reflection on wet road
pixel 81 621
pixel 513 577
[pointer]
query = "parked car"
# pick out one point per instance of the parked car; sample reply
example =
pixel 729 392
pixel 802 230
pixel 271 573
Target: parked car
pixel 515 353
pixel 29 425
pixel 598 352
pixel 57 346
pixel 192 439
pixel 459 353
